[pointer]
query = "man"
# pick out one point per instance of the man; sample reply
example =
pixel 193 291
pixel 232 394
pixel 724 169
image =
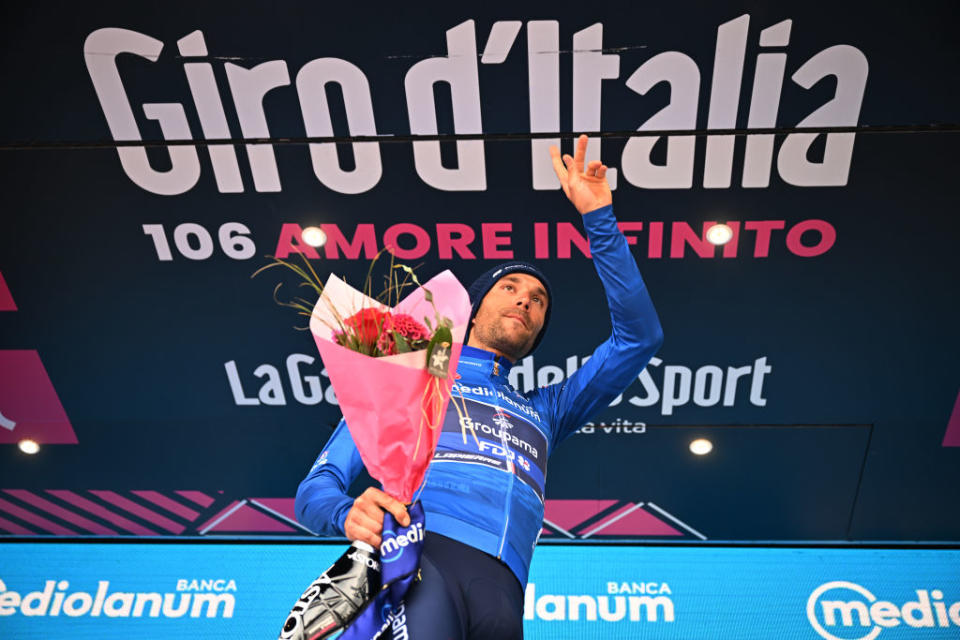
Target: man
pixel 483 493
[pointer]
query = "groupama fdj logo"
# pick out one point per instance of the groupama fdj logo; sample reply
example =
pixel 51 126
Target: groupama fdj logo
pixel 842 610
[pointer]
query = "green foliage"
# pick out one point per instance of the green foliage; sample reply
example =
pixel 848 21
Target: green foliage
pixel 402 345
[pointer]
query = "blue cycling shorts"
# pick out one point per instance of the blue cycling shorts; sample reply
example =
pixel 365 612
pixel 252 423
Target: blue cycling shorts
pixel 464 594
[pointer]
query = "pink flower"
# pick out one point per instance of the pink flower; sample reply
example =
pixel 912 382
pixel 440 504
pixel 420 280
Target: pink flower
pixel 387 345
pixel 409 328
pixel 373 331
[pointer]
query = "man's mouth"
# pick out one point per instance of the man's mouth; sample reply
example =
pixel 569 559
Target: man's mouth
pixel 519 318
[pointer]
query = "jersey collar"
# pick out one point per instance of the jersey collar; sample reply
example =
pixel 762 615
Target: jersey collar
pixel 486 361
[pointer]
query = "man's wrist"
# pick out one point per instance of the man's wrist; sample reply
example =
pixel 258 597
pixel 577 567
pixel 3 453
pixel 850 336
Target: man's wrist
pixel 596 209
pixel 593 206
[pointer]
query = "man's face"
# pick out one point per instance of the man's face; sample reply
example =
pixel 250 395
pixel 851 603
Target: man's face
pixel 510 316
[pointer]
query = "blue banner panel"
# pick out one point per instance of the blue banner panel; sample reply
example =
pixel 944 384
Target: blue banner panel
pixel 236 591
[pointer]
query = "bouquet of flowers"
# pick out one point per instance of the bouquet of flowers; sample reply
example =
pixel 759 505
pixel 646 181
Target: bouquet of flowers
pixel 392 375
pixel 395 413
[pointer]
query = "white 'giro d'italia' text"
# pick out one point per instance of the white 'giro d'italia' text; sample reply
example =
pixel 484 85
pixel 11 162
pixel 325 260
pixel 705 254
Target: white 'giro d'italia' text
pixel 593 68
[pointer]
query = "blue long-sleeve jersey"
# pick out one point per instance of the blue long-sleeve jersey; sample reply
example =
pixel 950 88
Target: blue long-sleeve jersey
pixel 485 484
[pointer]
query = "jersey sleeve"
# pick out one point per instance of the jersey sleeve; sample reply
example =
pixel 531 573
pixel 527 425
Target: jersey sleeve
pixel 635 338
pixel 322 502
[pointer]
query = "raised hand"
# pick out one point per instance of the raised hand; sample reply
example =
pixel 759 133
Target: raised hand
pixel 586 188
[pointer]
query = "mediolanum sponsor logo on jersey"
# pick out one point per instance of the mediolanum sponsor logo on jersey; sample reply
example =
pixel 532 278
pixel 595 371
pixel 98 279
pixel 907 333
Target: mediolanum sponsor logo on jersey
pixel 842 610
pixel 614 602
pixel 395 543
pixel 189 597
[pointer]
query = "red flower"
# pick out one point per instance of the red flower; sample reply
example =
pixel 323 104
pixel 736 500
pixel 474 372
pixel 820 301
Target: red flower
pixel 367 326
pixel 373 330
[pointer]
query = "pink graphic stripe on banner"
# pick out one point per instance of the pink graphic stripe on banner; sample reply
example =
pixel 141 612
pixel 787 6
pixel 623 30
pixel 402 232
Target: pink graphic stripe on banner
pixel 952 437
pixel 34 519
pixel 11 527
pixel 137 510
pixel 106 514
pixel 6 299
pixel 246 519
pixel 284 506
pixel 616 514
pixel 220 516
pixel 200 498
pixel 60 512
pixel 170 505
pixel 29 403
pixel 632 521
pixel 569 513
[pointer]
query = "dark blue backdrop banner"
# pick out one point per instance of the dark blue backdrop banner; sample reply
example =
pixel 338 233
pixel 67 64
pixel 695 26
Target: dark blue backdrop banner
pixel 172 396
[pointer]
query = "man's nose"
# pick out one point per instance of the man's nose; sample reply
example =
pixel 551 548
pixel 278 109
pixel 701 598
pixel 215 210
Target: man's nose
pixel 523 301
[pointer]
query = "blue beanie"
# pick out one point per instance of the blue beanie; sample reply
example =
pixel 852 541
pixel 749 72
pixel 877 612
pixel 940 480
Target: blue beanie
pixel 478 290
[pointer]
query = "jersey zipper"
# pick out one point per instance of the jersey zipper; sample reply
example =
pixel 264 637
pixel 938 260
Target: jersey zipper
pixel 508 468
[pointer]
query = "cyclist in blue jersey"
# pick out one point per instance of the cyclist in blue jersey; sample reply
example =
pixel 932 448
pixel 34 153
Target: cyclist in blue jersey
pixel 483 494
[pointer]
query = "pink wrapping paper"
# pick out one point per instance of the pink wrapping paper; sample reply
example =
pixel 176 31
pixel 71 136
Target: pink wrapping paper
pixel 381 398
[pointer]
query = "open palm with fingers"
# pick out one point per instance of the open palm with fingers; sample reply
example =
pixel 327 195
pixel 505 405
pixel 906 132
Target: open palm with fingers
pixel 586 188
